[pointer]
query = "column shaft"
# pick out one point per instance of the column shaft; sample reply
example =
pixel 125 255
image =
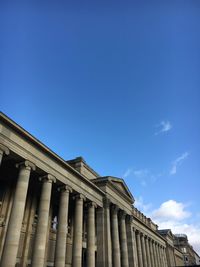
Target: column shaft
pixel 144 255
pixel 159 256
pixel 165 257
pixel 148 252
pixel 151 253
pixel 139 250
pixel 16 217
pixel 155 254
pixel 108 247
pixel 62 230
pixel 91 235
pixel 132 252
pixel 78 231
pixel 38 259
pixel 135 250
pixel 115 238
pixel 123 239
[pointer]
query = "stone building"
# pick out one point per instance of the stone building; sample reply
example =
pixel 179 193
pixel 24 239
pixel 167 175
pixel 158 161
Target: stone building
pixel 62 213
pixel 189 255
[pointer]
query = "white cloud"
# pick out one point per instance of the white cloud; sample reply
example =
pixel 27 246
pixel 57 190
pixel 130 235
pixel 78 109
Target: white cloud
pixel 171 210
pixel 139 204
pixel 173 215
pixel 163 127
pixel 177 162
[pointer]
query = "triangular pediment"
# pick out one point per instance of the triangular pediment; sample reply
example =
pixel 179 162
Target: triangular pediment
pixel 119 185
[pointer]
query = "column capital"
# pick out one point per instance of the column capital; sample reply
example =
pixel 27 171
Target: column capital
pixel 26 164
pixel 137 231
pixel 79 196
pixel 65 188
pixel 142 234
pixel 129 218
pixel 4 149
pixel 91 204
pixel 48 178
pixel 106 202
pixel 122 214
pixel 114 209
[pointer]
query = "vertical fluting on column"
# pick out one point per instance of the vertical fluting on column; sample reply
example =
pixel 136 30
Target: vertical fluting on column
pixel 159 256
pixel 3 150
pixel 148 252
pixel 132 252
pixel 115 237
pixel 42 223
pixel 155 254
pixel 61 237
pixel 123 240
pixel 108 246
pixel 91 234
pixel 144 255
pixel 16 217
pixel 139 249
pixel 78 231
pixel 135 249
pixel 165 257
pixel 151 253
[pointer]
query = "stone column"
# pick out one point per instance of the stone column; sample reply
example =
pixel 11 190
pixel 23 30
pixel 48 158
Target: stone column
pixel 136 264
pixel 3 150
pixel 16 217
pixel 108 247
pixel 165 257
pixel 144 255
pixel 151 253
pixel 91 235
pixel 123 240
pixel 148 252
pixel 62 230
pixel 115 237
pixel 42 223
pixel 132 251
pixel 139 249
pixel 78 231
pixel 159 255
pixel 155 254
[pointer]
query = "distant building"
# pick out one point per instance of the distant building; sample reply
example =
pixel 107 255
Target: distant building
pixel 190 256
pixel 62 213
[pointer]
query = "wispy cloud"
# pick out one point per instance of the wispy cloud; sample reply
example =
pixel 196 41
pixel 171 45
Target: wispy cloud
pixel 127 173
pixel 144 176
pixel 177 162
pixel 163 127
pixel 139 203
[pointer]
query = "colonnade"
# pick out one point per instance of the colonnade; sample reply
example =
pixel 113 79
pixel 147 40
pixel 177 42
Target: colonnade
pixel 150 253
pixel 130 246
pixel 12 239
pixel 126 245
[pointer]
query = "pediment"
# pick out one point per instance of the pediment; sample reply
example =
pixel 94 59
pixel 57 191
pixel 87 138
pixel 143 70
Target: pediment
pixel 120 186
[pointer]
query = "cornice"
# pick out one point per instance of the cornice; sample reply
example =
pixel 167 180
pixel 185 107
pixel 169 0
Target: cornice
pixel 26 135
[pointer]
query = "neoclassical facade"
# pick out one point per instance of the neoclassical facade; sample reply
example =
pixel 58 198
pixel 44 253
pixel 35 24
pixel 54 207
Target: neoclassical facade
pixel 62 213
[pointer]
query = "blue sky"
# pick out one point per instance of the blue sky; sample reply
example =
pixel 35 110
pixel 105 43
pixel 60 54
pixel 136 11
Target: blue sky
pixel 117 83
